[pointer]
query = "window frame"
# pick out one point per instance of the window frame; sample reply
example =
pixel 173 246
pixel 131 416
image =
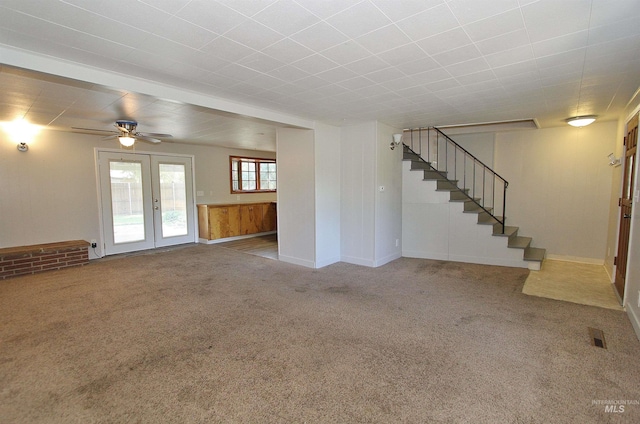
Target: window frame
pixel 255 160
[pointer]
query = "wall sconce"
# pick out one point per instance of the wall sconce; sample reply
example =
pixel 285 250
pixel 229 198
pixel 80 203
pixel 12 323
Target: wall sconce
pixel 23 147
pixel 397 139
pixel 613 161
pixel 581 121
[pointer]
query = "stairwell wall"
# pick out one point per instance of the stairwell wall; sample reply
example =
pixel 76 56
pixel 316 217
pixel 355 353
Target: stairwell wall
pixel 560 187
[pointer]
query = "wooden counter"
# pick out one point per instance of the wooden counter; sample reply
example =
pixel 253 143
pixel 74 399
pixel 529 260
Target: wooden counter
pixel 217 221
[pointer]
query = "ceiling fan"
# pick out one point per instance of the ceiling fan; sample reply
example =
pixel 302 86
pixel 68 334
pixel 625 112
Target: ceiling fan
pixel 127 134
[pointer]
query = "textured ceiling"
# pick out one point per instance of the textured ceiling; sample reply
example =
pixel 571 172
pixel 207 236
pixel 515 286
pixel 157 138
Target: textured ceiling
pixel 404 62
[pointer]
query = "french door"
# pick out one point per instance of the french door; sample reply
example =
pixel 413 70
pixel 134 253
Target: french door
pixel 147 201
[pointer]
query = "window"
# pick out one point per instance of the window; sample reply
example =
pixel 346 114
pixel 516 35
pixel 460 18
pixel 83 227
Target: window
pixel 250 175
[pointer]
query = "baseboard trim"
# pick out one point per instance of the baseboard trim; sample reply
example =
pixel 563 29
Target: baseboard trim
pixel 358 261
pixel 577 259
pixel 246 236
pixel 327 262
pixel 635 321
pixel 419 254
pixel 296 261
pixel 388 258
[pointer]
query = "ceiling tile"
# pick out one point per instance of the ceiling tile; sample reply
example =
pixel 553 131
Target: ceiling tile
pixel 430 22
pixel 325 8
pixel 460 54
pixel 368 64
pixel 397 10
pixel 146 17
pixel 496 25
pixel 246 7
pixel 346 52
pixel 314 64
pixel 186 33
pixel 212 16
pixel 467 11
pixel 260 62
pixel 445 41
pixel 287 51
pixel 559 45
pixel 509 57
pixel 549 18
pixel 336 75
pixel 253 34
pixel 407 52
pixel 359 19
pixel 468 67
pixel 319 37
pixel 383 39
pixel 227 49
pixel 415 67
pixel 503 42
pixel 289 73
pixel 286 17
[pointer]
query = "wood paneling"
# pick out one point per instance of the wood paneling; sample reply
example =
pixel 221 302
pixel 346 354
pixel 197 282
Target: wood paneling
pixel 229 220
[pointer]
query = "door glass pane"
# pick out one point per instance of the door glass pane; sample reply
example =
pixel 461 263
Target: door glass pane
pixel 126 201
pixel 173 198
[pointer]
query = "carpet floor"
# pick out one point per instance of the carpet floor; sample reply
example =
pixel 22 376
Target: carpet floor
pixel 206 334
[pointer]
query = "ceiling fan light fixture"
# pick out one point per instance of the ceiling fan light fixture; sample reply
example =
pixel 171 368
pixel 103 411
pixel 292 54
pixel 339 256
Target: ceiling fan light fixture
pixel 126 141
pixel 581 121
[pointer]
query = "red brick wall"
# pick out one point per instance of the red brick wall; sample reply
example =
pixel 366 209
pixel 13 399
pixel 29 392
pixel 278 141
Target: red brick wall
pixel 39 259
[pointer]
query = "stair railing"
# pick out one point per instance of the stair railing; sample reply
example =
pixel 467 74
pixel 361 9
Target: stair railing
pixel 481 184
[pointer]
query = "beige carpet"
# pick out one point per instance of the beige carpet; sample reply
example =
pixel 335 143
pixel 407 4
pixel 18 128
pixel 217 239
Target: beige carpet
pixel 206 334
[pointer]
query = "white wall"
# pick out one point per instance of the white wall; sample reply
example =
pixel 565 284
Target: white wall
pixel 560 187
pixel 371 220
pixel 357 216
pixel 49 194
pixel 480 145
pixel 388 203
pixel 296 196
pixel 327 188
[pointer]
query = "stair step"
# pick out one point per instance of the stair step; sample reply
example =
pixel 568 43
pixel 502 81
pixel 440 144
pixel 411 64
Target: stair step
pixel 519 242
pixel 459 195
pixel 432 174
pixel 418 164
pixel 473 207
pixel 534 254
pixel 410 156
pixel 447 185
pixel 486 219
pixel 508 231
pixel 463 199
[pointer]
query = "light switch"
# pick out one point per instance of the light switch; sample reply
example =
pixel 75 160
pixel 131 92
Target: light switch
pixel 381 188
pixel 199 193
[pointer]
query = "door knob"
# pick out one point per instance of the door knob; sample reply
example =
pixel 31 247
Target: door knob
pixel 156 207
pixel 626 215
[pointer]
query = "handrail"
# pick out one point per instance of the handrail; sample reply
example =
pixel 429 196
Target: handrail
pixel 434 151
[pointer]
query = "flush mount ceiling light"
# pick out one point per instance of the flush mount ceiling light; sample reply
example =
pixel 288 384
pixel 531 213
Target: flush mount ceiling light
pixel 581 121
pixel 127 141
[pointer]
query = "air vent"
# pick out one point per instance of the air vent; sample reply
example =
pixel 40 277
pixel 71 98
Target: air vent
pixel 597 338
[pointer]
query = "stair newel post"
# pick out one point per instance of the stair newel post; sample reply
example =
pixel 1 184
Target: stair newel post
pixel 484 182
pixel 504 204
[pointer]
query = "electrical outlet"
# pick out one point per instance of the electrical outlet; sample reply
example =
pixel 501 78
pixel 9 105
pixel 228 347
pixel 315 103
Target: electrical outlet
pixel 94 243
pixel 397 242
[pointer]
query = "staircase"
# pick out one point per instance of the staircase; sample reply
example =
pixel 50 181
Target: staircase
pixel 457 195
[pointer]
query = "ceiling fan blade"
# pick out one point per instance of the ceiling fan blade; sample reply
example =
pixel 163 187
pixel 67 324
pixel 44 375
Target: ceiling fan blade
pixel 92 131
pixel 123 129
pixel 147 138
pixel 155 135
